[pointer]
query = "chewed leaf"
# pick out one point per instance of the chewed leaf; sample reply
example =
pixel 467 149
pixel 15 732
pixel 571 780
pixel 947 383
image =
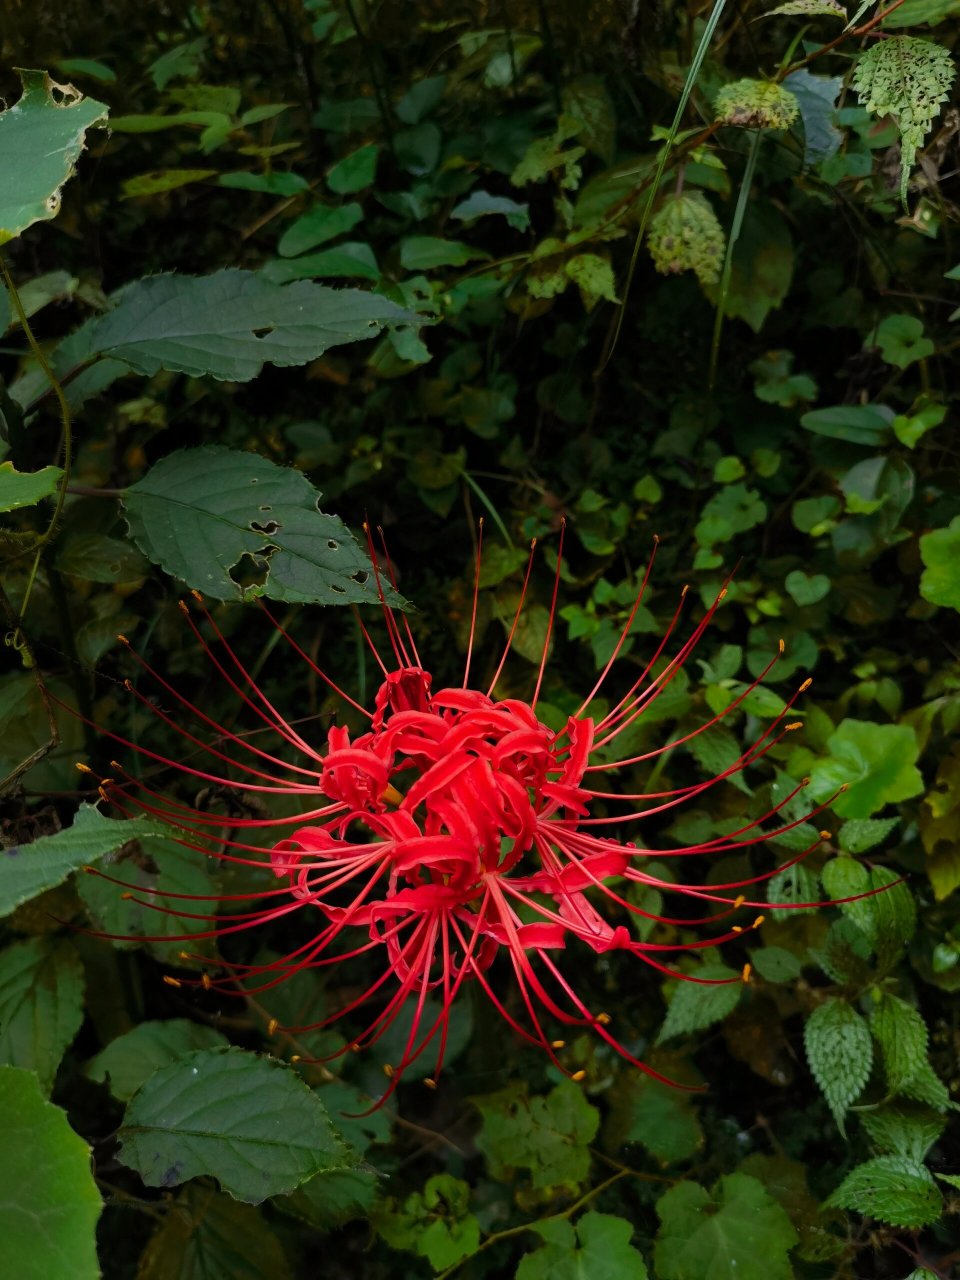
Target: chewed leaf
pixel 41 137
pixel 756 104
pixel 200 512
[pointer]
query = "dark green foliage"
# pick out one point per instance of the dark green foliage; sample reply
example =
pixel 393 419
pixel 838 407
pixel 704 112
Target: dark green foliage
pixel 438 262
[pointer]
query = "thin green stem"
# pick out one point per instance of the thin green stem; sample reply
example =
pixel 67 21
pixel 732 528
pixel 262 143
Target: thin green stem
pixel 724 289
pixel 66 426
pixel 688 84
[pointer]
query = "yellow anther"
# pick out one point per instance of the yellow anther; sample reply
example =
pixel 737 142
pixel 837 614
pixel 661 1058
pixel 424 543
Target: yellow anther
pixel 205 981
pixel 736 928
pixel 845 787
pixel 578 1076
pixel 115 764
pixel 747 970
pixel 806 685
pixel 804 782
pixel 83 768
pixel 126 897
pixel 557 1044
pixel 782 646
pixel 123 639
pixel 128 685
pixel 739 900
pixel 172 982
pixel 391 795
pixel 197 596
pixel 757 923
pixel 825 835
pixel 90 871
pixel 184 955
pixel 388 1071
pixel 430 1082
pixel 272 1027
pixel 683 593
pixel 793 725
pixel 183 607
pixel 480 522
pixel 722 595
pixel 295 1057
pixel 603 1019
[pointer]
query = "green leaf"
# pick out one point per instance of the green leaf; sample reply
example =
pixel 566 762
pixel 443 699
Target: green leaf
pixel 807 589
pixel 601 1251
pixel 776 964
pixel 738 1229
pixel 696 1005
pixel 903 1131
pixel 230 324
pixel 896 1190
pixel 421 253
pixel 857 423
pixel 756 104
pixel 27 870
pixel 913 13
pixel 268 184
pixel 91 67
pixel 910 428
pixel 547 1136
pixel 481 204
pixel 685 235
pixel 49 1202
pixel 434 1223
pixel 355 171
pixel 41 1005
pixel 862 834
pixel 901 341
pixel 734 509
pixel 41 138
pixel 26 488
pixel 593 276
pixel 655 1115
pixel 902 1035
pixel 907 78
pixel 809 9
pixel 940 552
pixel 207 1236
pixel 199 512
pixel 349 260
pixel 129 1060
pixel 334 1197
pixel 317 227
pixel 248 1121
pixel 840 1053
pixel 160 180
pixel 876 762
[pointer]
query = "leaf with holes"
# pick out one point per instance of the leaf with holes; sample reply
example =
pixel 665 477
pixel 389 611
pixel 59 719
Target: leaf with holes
pixel 230 324
pixel 840 1053
pixel 199 512
pixel 247 1121
pixel 49 1202
pixel 41 137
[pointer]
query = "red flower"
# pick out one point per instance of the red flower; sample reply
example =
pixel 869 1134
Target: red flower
pixel 456 829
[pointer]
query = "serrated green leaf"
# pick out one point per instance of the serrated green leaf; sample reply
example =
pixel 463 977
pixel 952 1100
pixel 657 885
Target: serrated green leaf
pixel 129 1060
pixel 26 488
pixel 901 1132
pixel 49 1202
pixel 861 834
pixel 756 104
pixel 247 1121
pixel 737 1229
pixel 696 1005
pixel 41 138
pixel 230 324
pixel 208 1236
pixel 685 235
pixel 41 1005
pixel 547 1136
pixel 601 1251
pixel 28 870
pixel 198 512
pixel 840 1053
pixel 898 1191
pixel 908 78
pixel 809 9
pixel 902 1035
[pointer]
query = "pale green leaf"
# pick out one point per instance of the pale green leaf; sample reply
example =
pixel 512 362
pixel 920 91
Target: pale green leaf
pixel 601 1251
pixel 840 1053
pixel 49 1202
pixel 26 488
pixel 696 1005
pixel 41 1005
pixel 896 1190
pixel 41 138
pixel 129 1060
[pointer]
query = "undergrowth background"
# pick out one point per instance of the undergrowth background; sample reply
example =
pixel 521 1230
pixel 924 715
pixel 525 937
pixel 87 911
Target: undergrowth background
pixel 532 208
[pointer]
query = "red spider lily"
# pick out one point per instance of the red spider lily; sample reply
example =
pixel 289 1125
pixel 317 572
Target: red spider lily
pixel 456 828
